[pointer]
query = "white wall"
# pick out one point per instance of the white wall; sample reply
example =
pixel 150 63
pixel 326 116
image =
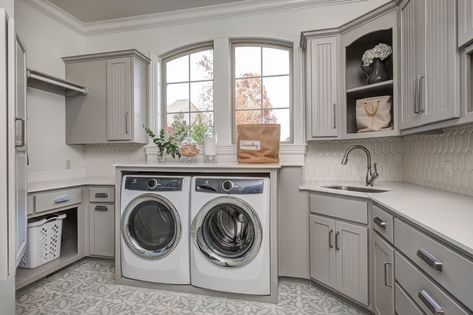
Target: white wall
pixel 46 42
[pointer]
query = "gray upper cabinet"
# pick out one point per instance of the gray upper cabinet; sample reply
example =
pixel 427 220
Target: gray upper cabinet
pixel 115 109
pixel 465 22
pixel 322 86
pixel 429 62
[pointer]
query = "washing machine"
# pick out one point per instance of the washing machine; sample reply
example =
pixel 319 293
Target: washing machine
pixel 155 228
pixel 230 245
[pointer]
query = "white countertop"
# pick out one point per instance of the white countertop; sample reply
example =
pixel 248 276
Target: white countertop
pixel 446 215
pixel 223 165
pixel 69 182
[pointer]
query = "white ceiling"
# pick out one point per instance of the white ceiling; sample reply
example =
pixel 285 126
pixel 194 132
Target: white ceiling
pixel 99 10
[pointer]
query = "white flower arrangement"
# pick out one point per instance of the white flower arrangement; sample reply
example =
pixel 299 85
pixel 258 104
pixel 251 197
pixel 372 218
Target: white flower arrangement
pixel 380 51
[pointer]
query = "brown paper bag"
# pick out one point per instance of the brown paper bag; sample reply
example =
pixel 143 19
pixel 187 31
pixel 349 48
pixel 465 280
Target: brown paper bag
pixel 258 143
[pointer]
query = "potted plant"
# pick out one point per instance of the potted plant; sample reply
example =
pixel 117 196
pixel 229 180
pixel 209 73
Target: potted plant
pixel 372 63
pixel 166 142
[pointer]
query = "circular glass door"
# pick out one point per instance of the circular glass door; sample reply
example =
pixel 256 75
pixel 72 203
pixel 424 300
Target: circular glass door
pixel 228 231
pixel 151 226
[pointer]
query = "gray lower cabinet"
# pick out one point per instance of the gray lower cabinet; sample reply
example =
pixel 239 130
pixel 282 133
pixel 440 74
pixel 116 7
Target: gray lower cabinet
pixel 429 62
pixel 102 227
pixel 404 304
pixel 322 86
pixel 115 108
pixel 465 22
pixel 383 276
pixel 339 256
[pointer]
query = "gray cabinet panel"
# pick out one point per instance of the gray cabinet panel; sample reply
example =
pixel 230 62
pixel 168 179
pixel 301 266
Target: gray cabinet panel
pixel 119 99
pixel 465 22
pixel 322 250
pixel 322 86
pixel 383 277
pixel 351 244
pixel 86 116
pixel 429 62
pixel 102 231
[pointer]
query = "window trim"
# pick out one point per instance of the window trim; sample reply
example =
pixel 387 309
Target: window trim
pixel 263 43
pixel 175 54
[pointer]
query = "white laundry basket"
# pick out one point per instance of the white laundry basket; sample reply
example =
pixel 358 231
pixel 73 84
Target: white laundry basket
pixel 44 241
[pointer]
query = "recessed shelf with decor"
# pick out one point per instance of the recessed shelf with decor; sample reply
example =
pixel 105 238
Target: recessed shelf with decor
pixel 378 79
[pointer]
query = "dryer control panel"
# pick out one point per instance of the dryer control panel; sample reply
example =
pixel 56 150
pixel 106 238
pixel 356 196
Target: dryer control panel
pixel 233 186
pixel 154 183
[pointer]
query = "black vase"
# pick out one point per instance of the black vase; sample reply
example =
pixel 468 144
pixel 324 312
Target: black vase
pixel 377 72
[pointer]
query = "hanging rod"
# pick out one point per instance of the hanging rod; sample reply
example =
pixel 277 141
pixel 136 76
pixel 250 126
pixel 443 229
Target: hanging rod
pixel 53 84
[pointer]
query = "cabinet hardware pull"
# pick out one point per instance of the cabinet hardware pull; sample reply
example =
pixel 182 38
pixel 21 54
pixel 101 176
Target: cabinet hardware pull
pixel 379 222
pixel 431 304
pixel 101 195
pixel 419 94
pixel 389 285
pixel 62 199
pixel 330 244
pixel 101 208
pixel 430 259
pixel 334 116
pixel 126 123
pixel 337 247
pixel 22 138
pixel 416 111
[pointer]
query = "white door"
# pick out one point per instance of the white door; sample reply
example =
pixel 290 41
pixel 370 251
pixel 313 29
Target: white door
pixel 351 244
pixel 322 250
pixel 383 277
pixel 21 150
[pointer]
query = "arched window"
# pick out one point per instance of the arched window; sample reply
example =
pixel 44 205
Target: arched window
pixel 187 100
pixel 262 84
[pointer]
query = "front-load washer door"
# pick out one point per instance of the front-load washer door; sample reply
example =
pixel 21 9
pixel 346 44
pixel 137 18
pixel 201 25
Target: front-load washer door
pixel 227 231
pixel 151 226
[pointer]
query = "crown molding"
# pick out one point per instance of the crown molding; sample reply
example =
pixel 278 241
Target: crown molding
pixel 180 17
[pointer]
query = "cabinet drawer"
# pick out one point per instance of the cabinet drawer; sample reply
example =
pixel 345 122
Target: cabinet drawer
pixel 102 194
pixel 423 291
pixel 404 304
pixel 382 222
pixel 339 207
pixel 57 199
pixel 453 271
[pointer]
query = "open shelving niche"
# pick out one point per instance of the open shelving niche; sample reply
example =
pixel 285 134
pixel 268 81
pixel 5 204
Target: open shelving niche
pixel 69 251
pixel 357 86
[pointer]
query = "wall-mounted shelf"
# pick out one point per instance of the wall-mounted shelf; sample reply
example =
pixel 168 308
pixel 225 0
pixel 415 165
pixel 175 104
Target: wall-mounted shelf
pixel 53 84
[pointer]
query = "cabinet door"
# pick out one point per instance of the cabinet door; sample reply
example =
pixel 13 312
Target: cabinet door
pixel 412 19
pixel 383 277
pixel 441 62
pixel 322 251
pixel 322 90
pixel 119 99
pixel 465 22
pixel 351 244
pixel 102 230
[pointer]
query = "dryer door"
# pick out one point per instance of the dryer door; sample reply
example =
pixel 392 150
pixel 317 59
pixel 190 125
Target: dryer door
pixel 228 231
pixel 151 226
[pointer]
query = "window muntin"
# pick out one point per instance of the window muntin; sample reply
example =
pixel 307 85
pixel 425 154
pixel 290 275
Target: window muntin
pixel 262 85
pixel 188 90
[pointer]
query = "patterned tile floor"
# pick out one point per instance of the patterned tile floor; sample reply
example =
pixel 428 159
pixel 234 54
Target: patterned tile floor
pixel 88 287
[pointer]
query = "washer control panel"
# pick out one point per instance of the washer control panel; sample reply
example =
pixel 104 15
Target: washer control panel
pixel 153 183
pixel 233 186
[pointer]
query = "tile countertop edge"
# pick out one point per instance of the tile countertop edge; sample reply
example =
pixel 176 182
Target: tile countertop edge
pixel 69 182
pixel 422 206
